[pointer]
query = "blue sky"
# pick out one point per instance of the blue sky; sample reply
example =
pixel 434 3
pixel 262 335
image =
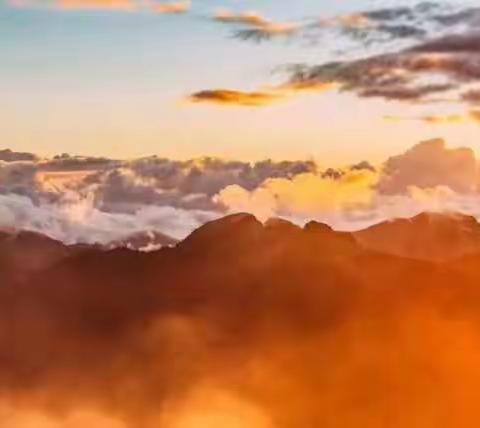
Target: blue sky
pixel 111 82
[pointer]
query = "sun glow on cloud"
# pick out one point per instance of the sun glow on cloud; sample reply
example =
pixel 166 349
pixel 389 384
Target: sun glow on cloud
pixel 210 408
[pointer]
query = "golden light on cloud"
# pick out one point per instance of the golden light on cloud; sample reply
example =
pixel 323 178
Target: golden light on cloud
pixel 255 20
pixel 306 194
pixel 171 7
pixel 355 20
pixel 95 4
pixel 235 98
pixel 470 116
pixel 300 86
pixel 210 408
pixel 262 97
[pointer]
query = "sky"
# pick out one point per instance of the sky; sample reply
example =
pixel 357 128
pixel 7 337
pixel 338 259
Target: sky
pixel 114 81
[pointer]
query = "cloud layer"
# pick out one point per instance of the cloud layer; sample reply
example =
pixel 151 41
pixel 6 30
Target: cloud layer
pixel 84 199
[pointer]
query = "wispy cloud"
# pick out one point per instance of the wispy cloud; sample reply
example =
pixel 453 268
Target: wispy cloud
pixel 235 98
pixel 171 7
pixel 253 26
pixel 94 4
pixel 164 7
pixel 470 116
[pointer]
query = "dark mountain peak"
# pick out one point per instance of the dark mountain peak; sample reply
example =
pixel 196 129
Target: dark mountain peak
pixel 430 218
pixel 281 225
pixel 428 236
pixel 225 233
pixel 27 251
pixel 317 227
pixel 28 239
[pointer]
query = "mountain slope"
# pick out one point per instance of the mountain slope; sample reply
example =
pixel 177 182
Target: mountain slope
pixel 428 236
pixel 265 326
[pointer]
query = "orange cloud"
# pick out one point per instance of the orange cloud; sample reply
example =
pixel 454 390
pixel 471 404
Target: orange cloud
pixel 261 97
pixel 256 22
pixel 178 6
pixel 307 86
pixel 171 7
pixel 95 4
pixel 232 97
pixel 473 115
pixel 355 20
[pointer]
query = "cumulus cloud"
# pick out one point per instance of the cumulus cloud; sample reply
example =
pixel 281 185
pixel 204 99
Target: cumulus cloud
pixel 428 177
pixel 430 164
pixel 101 200
pixel 79 221
pixel 84 199
pixel 8 155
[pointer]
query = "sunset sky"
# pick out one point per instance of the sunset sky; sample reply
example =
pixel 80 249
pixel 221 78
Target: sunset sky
pixel 113 78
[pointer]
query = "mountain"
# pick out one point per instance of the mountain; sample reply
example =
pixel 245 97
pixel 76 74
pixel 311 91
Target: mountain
pixel 243 324
pixel 428 236
pixel 24 253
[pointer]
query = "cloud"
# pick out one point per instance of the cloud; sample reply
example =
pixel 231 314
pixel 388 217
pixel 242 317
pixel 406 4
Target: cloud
pixel 428 165
pixel 306 196
pixel 470 116
pixel 171 7
pixel 95 4
pixel 415 54
pixel 83 199
pixel 11 156
pixel 255 26
pixel 414 75
pixel 260 98
pixel 472 96
pixel 163 7
pixel 86 199
pixel 235 98
pixel 428 177
pixel 79 221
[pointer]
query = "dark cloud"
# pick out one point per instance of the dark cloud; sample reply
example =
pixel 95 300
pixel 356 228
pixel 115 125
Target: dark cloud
pixel 472 96
pixel 420 53
pixel 67 162
pixel 8 155
pixel 448 62
pixel 428 165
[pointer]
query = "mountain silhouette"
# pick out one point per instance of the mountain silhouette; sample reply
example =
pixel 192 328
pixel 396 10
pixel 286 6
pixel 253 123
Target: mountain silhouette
pixel 310 326
pixel 428 236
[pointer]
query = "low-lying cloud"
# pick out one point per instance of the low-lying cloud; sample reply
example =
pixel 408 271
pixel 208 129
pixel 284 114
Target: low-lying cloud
pixel 84 199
